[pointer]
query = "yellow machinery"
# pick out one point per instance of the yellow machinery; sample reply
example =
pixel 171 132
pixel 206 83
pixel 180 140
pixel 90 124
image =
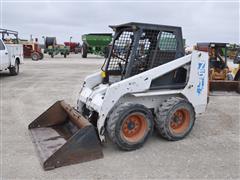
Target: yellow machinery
pixel 224 74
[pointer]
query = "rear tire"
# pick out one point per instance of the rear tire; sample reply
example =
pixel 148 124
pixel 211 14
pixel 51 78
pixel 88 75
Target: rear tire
pixel 76 50
pixel 41 56
pixel 14 70
pixel 35 56
pixel 130 125
pixel 175 118
pixel 84 50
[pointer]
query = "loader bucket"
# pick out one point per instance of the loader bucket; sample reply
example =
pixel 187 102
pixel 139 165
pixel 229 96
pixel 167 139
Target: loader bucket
pixel 225 85
pixel 63 136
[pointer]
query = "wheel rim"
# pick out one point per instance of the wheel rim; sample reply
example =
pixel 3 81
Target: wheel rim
pixel 134 127
pixel 180 121
pixel 35 57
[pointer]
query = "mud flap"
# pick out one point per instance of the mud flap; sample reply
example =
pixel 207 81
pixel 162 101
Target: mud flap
pixel 63 136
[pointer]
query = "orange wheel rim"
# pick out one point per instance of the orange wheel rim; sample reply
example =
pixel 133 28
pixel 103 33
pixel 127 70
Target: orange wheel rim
pixel 180 121
pixel 134 127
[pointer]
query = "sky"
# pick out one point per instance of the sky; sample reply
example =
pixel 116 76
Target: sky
pixel 201 21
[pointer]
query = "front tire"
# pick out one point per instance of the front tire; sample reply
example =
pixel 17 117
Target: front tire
pixel 14 70
pixel 84 50
pixel 175 118
pixel 41 56
pixel 130 125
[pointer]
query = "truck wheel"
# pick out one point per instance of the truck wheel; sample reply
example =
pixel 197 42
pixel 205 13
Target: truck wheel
pixel 129 126
pixel 84 50
pixel 65 55
pixel 175 118
pixel 35 56
pixel 14 70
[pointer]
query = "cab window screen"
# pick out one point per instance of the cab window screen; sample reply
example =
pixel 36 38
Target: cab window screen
pixel 121 51
pixel 168 42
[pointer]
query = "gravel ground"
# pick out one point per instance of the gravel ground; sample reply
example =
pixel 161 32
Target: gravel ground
pixel 210 151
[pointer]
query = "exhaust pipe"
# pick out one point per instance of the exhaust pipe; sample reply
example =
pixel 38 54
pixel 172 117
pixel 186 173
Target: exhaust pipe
pixel 62 136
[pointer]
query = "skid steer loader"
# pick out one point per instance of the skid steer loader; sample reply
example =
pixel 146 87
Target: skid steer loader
pixel 146 81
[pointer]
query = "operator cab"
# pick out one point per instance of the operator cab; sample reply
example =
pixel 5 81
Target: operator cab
pixel 139 47
pixel 217 53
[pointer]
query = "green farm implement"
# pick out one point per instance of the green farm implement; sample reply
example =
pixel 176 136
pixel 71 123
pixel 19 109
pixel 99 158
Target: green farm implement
pixel 52 48
pixel 96 44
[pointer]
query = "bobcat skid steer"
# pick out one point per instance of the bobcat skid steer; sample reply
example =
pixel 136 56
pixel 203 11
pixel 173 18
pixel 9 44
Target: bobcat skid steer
pixel 146 81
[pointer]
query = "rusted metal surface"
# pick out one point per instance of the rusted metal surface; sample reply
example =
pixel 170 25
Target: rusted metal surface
pixel 222 85
pixel 76 118
pixel 63 136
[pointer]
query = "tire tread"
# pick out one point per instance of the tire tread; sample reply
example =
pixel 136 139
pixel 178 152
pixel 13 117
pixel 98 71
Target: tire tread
pixel 162 114
pixel 114 118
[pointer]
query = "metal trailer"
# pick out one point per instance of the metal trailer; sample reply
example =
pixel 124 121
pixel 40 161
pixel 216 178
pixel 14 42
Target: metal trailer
pixel 97 43
pixel 52 48
pixel 74 47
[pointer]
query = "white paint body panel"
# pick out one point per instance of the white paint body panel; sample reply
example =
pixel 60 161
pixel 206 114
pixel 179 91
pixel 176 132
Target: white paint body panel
pixel 102 98
pixel 9 55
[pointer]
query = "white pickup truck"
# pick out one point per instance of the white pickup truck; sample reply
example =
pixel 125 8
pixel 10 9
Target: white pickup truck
pixel 11 56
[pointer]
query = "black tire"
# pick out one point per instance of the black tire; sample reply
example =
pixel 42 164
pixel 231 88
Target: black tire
pixel 52 56
pixel 176 128
pixel 139 129
pixel 84 50
pixel 41 56
pixel 76 50
pixel 35 56
pixel 14 70
pixel 106 52
pixel 65 55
